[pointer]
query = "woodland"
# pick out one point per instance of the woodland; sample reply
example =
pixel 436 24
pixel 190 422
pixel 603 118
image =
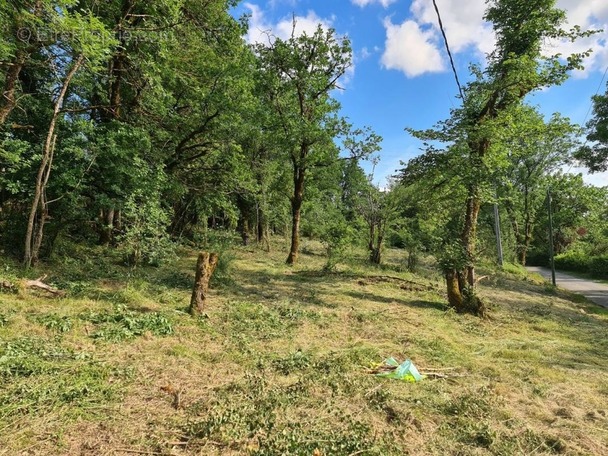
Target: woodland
pixel 135 135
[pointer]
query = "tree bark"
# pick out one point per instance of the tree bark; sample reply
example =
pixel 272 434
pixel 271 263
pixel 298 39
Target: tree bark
pixel 205 266
pixel 245 231
pixel 31 245
pixel 296 207
pixel 469 233
pixel 455 299
pixel 262 230
pixel 9 101
pixel 106 217
pixel 376 251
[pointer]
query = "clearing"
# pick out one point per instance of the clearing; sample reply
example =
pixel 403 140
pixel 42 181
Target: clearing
pixel 279 364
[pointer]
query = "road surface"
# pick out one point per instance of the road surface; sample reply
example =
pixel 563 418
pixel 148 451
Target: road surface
pixel 592 290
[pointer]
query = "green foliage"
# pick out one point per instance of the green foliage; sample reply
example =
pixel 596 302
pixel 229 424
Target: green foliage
pixel 336 236
pixel 30 356
pixel 578 261
pixel 123 324
pixel 452 257
pixel 595 155
pixel 258 411
pixel 39 377
pixel 222 242
pixel 515 269
pixel 145 238
pixel 58 323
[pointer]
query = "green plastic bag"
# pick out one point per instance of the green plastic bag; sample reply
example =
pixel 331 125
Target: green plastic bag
pixel 405 371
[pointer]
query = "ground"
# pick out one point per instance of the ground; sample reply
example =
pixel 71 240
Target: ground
pixel 280 363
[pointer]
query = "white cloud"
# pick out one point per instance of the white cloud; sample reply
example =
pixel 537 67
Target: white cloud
pixel 363 3
pixel 588 14
pixel 598 179
pixel 275 3
pixel 410 49
pixel 262 31
pixel 462 21
pixel 365 53
pixel 466 30
pixel 304 25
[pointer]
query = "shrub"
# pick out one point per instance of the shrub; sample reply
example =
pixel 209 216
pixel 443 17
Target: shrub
pixel 580 262
pixel 336 237
pixel 145 238
pixel 598 266
pixel 573 261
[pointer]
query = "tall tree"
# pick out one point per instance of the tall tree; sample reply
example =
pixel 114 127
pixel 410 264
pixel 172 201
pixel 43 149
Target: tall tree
pixel 595 155
pixel 301 72
pixel 534 149
pixel 515 68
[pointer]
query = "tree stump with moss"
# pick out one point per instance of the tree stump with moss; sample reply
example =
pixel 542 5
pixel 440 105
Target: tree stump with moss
pixel 205 266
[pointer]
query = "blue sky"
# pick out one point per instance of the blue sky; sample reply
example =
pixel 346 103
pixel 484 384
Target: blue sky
pixel 401 75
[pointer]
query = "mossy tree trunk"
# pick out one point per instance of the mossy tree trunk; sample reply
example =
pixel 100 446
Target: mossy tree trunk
pixel 205 266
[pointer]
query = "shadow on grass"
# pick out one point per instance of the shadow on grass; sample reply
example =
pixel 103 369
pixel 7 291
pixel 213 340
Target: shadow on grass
pixel 421 304
pixel 299 286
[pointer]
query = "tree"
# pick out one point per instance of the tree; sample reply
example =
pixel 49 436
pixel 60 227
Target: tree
pixel 514 69
pixel 534 149
pixel 595 155
pixel 68 55
pixel 300 74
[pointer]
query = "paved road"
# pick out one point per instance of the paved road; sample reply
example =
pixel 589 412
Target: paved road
pixel 594 291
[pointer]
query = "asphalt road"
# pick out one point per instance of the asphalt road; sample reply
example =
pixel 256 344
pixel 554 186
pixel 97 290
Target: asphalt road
pixel 592 290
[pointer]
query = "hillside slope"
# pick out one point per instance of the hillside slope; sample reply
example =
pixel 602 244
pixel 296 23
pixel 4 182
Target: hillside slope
pixel 280 364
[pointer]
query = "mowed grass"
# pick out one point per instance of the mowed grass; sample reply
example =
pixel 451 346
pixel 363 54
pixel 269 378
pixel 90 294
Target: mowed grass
pixel 280 363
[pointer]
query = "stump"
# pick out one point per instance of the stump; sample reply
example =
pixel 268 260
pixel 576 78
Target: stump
pixel 204 270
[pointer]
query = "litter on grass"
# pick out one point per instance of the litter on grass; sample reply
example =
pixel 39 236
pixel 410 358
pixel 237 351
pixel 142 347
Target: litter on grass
pixel 405 371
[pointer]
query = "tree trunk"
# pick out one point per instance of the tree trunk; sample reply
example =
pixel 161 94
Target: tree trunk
pixel 295 231
pixel 262 230
pixel 107 226
pixel 296 206
pixel 31 246
pixel 461 284
pixel 372 235
pixel 245 231
pixel 8 100
pixel 469 233
pixel 205 266
pixel 43 215
pixel 453 287
pixel 376 253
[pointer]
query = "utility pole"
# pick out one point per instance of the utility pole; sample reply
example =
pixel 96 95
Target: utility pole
pixel 497 230
pixel 551 252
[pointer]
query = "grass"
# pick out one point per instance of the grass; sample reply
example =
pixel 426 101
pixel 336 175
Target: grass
pixel 279 363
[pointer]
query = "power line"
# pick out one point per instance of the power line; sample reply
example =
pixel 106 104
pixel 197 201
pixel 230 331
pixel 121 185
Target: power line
pixel 589 111
pixel 596 92
pixel 447 47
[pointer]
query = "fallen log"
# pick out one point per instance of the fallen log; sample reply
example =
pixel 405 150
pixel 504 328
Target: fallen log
pixel 38 284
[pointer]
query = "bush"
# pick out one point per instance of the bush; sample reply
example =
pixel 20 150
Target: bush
pixel 573 261
pixel 336 237
pixel 599 266
pixel 580 262
pixel 145 238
